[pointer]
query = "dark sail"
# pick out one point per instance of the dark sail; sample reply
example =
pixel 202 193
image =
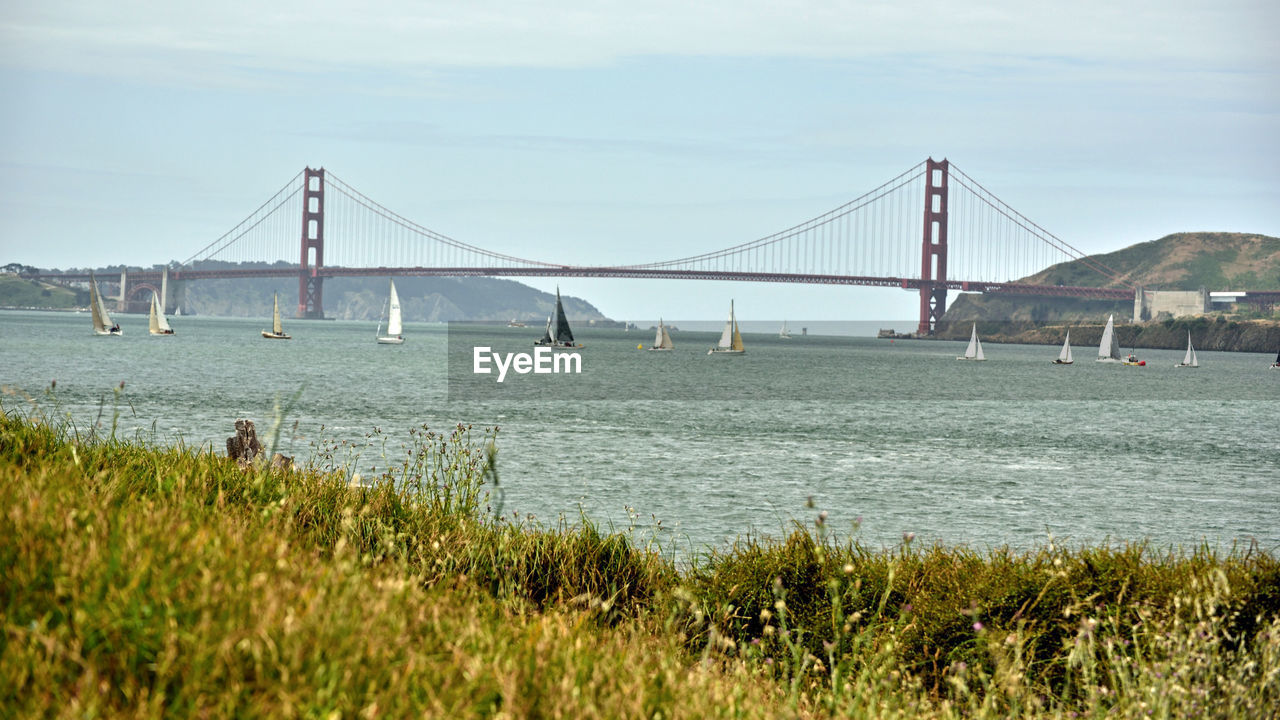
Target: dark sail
pixel 564 336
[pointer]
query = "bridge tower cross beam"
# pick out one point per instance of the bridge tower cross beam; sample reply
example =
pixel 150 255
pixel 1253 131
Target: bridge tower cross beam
pixel 310 283
pixel 933 260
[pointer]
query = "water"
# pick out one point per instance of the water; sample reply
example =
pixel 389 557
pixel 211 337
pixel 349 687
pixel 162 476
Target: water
pixel 887 438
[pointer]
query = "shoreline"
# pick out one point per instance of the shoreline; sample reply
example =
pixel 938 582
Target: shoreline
pixel 1221 334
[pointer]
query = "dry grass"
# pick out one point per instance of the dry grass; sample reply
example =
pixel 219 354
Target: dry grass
pixel 155 582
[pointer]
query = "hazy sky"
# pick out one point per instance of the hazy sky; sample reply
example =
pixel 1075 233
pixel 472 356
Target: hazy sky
pixel 618 132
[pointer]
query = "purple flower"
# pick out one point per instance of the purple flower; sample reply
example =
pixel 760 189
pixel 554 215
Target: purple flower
pixel 977 627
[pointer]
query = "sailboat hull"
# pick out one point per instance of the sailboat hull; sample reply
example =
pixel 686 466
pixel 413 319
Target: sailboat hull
pixel 390 341
pixel 108 332
pixel 1063 362
pixel 557 346
pixel 275 336
pixel 725 351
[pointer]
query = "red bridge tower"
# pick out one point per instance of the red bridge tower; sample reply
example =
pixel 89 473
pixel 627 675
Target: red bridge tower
pixel 933 276
pixel 310 283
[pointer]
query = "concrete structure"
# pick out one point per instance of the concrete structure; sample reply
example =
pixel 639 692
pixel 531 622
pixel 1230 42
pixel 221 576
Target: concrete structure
pixel 1147 304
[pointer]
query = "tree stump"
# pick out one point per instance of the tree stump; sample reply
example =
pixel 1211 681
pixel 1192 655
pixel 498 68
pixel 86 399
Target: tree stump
pixel 244 446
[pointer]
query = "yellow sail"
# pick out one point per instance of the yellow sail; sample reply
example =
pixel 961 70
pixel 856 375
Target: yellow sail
pixel 276 327
pixel 737 338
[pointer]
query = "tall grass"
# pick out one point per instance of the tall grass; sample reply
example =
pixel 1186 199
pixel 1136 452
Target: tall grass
pixel 171 582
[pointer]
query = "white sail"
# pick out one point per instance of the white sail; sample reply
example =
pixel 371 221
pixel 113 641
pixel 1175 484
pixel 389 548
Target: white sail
pixel 662 339
pixel 1064 356
pixel 726 335
pixel 394 326
pixel 156 323
pixel 102 324
pixel 1109 347
pixel 1190 360
pixel 783 332
pixel 974 350
pixel 730 342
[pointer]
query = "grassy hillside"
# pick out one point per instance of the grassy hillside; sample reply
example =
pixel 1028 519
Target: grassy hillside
pixel 1183 261
pixel 16 292
pixel 428 299
pixel 171 582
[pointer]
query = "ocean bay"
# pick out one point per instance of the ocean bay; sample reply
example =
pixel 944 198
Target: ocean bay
pixel 891 437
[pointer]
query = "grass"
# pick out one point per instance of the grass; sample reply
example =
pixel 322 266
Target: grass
pixel 157 582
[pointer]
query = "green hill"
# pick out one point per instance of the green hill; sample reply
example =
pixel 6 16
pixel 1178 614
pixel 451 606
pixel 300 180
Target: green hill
pixel 17 292
pixel 1182 261
pixel 426 299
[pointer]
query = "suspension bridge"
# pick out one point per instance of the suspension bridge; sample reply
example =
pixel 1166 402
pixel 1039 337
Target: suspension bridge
pixel 929 230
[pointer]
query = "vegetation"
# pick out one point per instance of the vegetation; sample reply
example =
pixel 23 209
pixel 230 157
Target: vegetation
pixel 17 292
pixel 425 299
pixel 1218 332
pixel 1183 261
pixel 171 581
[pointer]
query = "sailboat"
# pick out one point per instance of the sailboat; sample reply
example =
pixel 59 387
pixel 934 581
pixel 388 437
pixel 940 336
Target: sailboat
pixel 1189 360
pixel 157 324
pixel 1109 347
pixel 1276 365
pixel 102 324
pixel 558 335
pixel 662 341
pixel 783 332
pixel 730 342
pixel 1064 355
pixel 974 351
pixel 277 330
pixel 394 326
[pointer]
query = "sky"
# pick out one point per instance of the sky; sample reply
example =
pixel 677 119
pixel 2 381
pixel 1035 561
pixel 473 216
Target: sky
pixel 627 132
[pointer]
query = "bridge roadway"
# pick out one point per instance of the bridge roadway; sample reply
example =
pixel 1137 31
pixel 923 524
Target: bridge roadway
pixel 137 278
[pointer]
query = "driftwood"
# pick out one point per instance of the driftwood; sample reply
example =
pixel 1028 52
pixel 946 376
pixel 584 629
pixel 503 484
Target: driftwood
pixel 244 448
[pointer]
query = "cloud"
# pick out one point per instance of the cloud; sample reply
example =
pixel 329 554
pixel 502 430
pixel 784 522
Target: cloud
pixel 220 42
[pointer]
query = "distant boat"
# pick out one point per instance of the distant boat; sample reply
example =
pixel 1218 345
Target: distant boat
pixel 783 332
pixel 394 334
pixel 156 323
pixel 730 342
pixel 1189 360
pixel 974 351
pixel 102 324
pixel 1064 356
pixel 662 341
pixel 1109 347
pixel 277 330
pixel 558 335
pixel 1276 365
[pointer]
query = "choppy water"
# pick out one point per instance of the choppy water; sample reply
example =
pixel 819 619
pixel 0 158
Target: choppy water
pixel 896 438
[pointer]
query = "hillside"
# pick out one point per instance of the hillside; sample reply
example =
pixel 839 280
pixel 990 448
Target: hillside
pixel 426 299
pixel 16 292
pixel 1182 261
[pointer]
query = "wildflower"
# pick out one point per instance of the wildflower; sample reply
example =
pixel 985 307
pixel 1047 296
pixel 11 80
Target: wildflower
pixel 977 627
pixel 848 568
pixel 765 615
pixel 908 537
pixel 822 518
